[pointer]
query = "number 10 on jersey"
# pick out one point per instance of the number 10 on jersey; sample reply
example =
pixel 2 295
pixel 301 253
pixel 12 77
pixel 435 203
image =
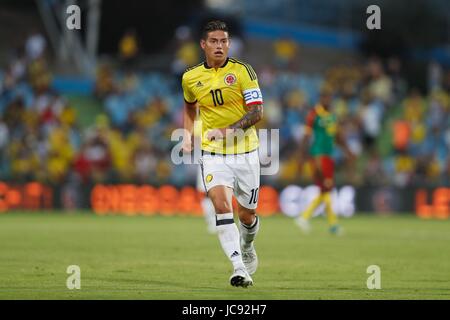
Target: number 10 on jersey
pixel 217 97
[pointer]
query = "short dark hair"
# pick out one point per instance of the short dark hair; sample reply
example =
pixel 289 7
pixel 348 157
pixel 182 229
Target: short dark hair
pixel 214 25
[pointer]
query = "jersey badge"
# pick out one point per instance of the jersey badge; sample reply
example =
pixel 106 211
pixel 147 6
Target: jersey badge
pixel 230 79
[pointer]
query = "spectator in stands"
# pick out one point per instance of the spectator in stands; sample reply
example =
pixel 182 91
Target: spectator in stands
pixel 18 66
pixel 35 46
pixel 401 135
pixel 131 140
pixel 394 71
pixel 99 158
pixel 82 166
pixel 405 166
pixel 186 52
pixel 379 84
pixel 370 117
pixel 435 75
pixel 104 81
pixel 414 106
pixel 144 161
pixel 373 172
pixel 129 49
pixel 286 51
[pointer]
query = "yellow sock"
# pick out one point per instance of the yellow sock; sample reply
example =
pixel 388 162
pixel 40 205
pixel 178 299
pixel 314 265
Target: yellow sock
pixel 312 206
pixel 331 216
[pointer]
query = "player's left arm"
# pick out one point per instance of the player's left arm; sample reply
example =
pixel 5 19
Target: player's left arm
pixel 252 98
pixel 254 115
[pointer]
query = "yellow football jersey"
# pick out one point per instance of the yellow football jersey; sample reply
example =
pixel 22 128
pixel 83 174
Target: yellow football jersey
pixel 222 96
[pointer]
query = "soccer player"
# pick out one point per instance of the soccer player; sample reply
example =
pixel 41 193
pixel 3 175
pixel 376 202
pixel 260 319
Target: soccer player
pixel 321 126
pixel 227 94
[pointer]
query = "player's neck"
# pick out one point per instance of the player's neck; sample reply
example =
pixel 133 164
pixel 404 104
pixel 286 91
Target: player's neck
pixel 216 63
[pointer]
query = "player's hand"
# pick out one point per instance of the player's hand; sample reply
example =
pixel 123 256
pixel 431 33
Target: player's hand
pixel 216 134
pixel 187 145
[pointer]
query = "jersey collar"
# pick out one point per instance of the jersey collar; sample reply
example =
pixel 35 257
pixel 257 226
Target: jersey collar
pixel 222 66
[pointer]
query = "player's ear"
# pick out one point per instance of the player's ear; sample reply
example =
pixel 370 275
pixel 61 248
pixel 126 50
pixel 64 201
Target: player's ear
pixel 202 43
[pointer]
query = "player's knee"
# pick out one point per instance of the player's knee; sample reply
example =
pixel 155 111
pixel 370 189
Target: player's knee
pixel 246 215
pixel 222 207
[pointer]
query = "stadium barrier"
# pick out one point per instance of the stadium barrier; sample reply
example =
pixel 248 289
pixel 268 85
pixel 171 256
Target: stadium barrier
pixel 167 200
pixel 29 196
pixel 438 207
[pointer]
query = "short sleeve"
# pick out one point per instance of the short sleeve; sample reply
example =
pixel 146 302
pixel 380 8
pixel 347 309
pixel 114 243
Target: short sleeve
pixel 188 95
pixel 250 87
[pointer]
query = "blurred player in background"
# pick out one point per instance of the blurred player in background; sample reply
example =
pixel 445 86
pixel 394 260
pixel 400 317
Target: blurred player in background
pixel 227 93
pixel 322 128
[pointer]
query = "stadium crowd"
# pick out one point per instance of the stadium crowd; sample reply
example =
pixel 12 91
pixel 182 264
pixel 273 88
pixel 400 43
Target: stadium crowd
pixel 401 136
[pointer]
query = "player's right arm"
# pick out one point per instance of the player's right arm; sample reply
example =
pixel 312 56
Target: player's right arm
pixel 189 114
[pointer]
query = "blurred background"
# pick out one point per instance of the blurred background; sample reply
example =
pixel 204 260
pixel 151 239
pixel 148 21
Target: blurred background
pixel 86 115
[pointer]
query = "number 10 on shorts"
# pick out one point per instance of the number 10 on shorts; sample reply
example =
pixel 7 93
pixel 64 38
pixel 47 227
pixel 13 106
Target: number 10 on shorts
pixel 254 196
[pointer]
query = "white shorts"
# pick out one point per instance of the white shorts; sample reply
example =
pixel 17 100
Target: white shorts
pixel 200 185
pixel 241 172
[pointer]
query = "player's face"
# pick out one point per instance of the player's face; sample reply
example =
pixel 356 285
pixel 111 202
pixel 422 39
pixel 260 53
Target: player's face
pixel 216 45
pixel 326 99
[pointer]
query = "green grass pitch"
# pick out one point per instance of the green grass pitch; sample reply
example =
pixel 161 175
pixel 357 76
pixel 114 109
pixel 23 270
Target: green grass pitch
pixel 174 258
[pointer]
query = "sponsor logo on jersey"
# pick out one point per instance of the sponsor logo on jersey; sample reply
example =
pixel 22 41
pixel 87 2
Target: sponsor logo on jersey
pixel 230 79
pixel 209 178
pixel 199 84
